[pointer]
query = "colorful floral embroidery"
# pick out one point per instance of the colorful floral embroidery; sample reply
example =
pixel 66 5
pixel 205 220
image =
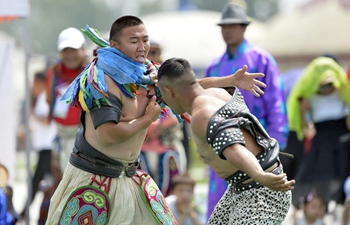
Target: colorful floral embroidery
pixel 87 205
pixel 155 199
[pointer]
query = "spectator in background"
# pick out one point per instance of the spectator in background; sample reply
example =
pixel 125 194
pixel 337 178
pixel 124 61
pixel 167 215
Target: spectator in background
pixel 318 108
pixel 314 209
pixel 162 153
pixel 73 60
pixel 43 132
pixel 182 202
pixel 8 216
pixel 5 217
pixel 155 50
pixel 269 108
pixel 295 146
pixel 155 55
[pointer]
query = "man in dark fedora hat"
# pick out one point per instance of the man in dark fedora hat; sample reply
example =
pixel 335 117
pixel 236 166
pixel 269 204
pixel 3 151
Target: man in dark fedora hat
pixel 233 14
pixel 270 107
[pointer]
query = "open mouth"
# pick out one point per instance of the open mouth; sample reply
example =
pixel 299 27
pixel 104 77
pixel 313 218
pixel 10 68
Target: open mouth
pixel 140 58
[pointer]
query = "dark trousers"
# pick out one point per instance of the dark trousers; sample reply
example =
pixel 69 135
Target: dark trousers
pixel 43 167
pixel 296 148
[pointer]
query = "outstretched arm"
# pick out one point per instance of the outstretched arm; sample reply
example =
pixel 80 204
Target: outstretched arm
pixel 241 78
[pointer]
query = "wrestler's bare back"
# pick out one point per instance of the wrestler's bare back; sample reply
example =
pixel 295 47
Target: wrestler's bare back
pixel 218 97
pixel 128 149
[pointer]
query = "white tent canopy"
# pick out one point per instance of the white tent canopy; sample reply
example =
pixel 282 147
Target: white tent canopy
pixel 322 27
pixel 192 35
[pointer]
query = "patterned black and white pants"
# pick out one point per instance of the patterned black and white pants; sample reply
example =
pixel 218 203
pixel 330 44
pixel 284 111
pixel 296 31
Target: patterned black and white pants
pixel 258 206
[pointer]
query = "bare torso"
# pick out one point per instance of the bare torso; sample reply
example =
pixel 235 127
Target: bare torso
pixel 222 167
pixel 131 147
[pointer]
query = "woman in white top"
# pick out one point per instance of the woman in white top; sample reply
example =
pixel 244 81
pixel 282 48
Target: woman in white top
pixel 320 102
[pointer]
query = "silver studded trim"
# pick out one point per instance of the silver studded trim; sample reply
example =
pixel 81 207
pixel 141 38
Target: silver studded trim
pixel 237 182
pixel 226 138
pixel 230 110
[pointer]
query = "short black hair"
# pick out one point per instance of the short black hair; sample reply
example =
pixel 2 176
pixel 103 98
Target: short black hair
pixel 40 75
pixel 120 24
pixel 173 68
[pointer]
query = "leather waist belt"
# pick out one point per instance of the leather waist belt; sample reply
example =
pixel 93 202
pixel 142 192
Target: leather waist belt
pixel 268 160
pixel 97 166
pixel 248 183
pixel 87 158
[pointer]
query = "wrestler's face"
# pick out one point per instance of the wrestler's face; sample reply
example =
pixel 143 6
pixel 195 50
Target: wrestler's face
pixel 72 58
pixel 133 42
pixel 184 193
pixel 233 34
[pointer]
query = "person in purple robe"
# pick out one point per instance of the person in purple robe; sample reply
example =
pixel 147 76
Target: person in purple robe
pixel 270 108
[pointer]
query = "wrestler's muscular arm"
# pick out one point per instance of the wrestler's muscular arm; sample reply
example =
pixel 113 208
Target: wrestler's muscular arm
pixel 241 157
pixel 244 160
pixel 240 78
pixel 112 133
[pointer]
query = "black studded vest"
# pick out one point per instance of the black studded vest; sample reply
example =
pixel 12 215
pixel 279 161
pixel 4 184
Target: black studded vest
pixel 224 129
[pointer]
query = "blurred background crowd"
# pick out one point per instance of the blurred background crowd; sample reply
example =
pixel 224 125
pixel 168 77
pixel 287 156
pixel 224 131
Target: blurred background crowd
pixel 301 46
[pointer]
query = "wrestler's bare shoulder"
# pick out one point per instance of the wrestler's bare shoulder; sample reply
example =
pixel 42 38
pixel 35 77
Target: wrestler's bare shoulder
pixel 210 101
pixel 112 87
pixel 214 97
pixel 205 106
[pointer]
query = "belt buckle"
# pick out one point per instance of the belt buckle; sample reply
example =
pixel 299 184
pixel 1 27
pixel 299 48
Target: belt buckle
pixel 131 168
